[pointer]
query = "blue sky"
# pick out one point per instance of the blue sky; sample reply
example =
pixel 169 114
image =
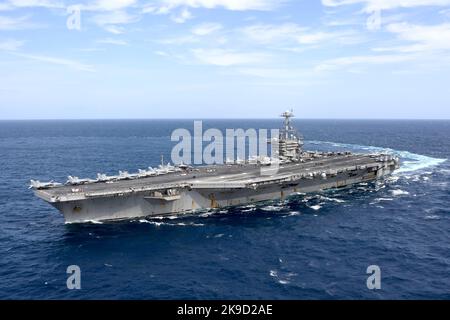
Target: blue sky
pixel 224 58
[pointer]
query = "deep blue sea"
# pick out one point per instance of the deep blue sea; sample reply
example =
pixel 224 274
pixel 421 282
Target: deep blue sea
pixel 315 246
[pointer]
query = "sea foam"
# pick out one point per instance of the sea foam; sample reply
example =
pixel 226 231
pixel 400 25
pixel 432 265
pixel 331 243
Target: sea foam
pixel 409 161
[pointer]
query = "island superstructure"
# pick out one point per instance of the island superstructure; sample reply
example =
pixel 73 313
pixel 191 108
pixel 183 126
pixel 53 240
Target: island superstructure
pixel 184 189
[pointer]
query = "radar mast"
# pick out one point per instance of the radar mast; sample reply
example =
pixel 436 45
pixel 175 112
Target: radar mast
pixel 291 142
pixel 287 130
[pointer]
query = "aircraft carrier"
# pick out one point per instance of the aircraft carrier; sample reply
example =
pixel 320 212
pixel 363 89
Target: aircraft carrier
pixel 184 189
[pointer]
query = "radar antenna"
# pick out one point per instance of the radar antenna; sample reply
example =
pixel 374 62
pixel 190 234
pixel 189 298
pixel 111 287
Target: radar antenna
pixel 287 115
pixel 291 142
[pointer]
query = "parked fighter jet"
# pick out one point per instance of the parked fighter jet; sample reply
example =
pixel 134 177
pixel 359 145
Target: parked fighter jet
pixel 162 171
pixel 146 173
pixel 171 168
pixel 104 178
pixel 167 168
pixel 124 175
pixel 77 181
pixel 36 184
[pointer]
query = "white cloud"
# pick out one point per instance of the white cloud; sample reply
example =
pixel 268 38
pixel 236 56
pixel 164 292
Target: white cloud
pixel 337 63
pixel 111 21
pixel 111 14
pixel 10 45
pixel 36 3
pixel 372 5
pixel 291 32
pixel 116 17
pixel 272 73
pixel 167 7
pixel 5 7
pixel 182 16
pixel 114 29
pixel 116 42
pixel 108 5
pixel 58 61
pixel 226 58
pixel 342 22
pixel 15 23
pixel 314 38
pixel 180 40
pixel 424 43
pixel 236 5
pixel 423 38
pixel 266 33
pixel 161 53
pixel 205 29
pixel 198 34
pixel 149 9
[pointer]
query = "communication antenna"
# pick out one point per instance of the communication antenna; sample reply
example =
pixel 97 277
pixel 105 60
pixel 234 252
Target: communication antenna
pixel 287 115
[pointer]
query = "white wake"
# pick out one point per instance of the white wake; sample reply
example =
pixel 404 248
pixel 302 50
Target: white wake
pixel 409 161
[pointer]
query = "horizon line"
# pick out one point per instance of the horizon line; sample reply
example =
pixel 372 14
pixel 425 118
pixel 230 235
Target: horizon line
pixel 201 119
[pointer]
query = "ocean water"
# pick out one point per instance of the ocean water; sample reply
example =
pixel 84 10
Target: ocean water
pixel 314 246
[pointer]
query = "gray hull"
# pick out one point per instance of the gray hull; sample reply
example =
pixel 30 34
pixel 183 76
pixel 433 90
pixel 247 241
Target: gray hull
pixel 188 199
